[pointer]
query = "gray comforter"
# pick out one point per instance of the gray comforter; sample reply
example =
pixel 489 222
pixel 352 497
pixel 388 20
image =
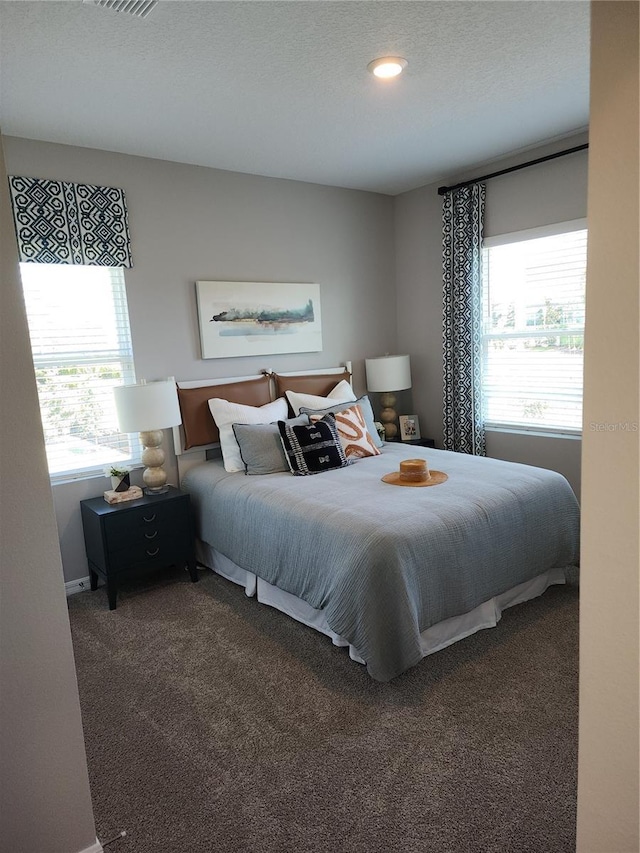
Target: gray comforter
pixel 387 562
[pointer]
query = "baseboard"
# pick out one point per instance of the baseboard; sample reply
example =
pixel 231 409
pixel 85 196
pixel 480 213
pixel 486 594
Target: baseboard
pixel 95 848
pixel 78 585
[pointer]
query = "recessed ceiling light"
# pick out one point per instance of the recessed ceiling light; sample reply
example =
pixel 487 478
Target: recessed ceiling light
pixel 387 66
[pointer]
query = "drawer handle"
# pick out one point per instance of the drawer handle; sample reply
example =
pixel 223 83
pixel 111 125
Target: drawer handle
pixel 153 553
pixel 153 518
pixel 151 535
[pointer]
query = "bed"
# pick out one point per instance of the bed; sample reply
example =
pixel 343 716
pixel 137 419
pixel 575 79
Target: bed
pixel 394 574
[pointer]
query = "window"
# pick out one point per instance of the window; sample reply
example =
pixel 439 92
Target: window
pixel 81 345
pixel 533 329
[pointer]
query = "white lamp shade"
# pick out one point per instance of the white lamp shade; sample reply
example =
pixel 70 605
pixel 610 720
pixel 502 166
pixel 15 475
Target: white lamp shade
pixel 147 406
pixel 388 373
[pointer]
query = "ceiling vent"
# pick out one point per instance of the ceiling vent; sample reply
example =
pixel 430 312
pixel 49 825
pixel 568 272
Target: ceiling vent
pixel 137 8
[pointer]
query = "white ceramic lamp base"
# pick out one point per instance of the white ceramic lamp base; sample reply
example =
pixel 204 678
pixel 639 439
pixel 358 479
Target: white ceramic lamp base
pixel 154 475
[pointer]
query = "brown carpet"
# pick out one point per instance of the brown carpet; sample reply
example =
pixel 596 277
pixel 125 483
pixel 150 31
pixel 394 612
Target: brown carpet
pixel 214 723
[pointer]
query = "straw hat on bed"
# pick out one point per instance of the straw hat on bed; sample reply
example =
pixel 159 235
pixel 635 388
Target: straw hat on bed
pixel 415 472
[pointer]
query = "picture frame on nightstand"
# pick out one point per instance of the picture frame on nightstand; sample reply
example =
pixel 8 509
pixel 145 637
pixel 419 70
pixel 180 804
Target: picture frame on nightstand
pixel 409 427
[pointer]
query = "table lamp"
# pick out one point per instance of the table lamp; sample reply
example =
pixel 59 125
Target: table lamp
pixel 148 408
pixel 388 374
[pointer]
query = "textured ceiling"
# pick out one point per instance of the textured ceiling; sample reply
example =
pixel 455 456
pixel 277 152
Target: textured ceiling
pixel 281 88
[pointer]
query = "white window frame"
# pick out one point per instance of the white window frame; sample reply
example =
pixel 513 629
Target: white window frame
pixel 121 355
pixel 549 230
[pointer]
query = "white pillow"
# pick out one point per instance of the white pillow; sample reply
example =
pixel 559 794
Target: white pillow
pixel 225 414
pixel 342 393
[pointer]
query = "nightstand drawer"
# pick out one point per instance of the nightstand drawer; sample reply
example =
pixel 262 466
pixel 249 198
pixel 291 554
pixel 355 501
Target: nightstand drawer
pixel 165 551
pixel 133 524
pixel 120 536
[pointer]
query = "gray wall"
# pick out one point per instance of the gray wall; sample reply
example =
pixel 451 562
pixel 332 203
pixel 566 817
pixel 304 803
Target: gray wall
pixel 44 801
pixel 551 192
pixel 608 783
pixel 190 223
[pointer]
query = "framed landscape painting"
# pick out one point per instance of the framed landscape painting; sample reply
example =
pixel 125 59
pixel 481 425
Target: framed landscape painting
pixel 240 318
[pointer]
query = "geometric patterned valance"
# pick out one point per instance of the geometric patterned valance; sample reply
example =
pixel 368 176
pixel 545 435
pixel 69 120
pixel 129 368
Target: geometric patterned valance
pixel 62 223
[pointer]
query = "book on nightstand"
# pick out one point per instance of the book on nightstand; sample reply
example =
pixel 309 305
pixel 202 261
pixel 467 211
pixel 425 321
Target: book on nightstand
pixel 113 497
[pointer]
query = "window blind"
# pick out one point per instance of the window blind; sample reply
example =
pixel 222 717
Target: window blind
pixel 533 331
pixel 81 345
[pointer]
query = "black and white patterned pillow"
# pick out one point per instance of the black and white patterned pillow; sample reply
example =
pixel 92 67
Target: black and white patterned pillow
pixel 312 448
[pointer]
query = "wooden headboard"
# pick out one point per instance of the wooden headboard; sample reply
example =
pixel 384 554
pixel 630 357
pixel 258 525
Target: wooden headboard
pixel 198 432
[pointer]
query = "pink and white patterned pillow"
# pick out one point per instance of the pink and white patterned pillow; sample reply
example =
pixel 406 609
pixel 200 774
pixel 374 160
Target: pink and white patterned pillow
pixel 352 431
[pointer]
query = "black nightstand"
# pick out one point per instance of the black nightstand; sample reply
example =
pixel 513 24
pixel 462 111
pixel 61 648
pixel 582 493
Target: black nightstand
pixel 136 536
pixel 421 442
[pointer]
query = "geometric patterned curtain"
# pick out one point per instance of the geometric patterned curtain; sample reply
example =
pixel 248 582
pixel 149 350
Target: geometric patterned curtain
pixel 463 220
pixel 63 223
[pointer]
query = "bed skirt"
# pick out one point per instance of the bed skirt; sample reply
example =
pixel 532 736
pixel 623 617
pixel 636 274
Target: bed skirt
pixel 486 615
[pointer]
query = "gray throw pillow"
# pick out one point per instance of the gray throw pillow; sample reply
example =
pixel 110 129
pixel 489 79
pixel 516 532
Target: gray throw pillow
pixel 367 412
pixel 261 446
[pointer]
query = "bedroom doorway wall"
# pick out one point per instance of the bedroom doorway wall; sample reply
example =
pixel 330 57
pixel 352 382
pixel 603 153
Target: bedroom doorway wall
pixel 38 671
pixel 608 753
